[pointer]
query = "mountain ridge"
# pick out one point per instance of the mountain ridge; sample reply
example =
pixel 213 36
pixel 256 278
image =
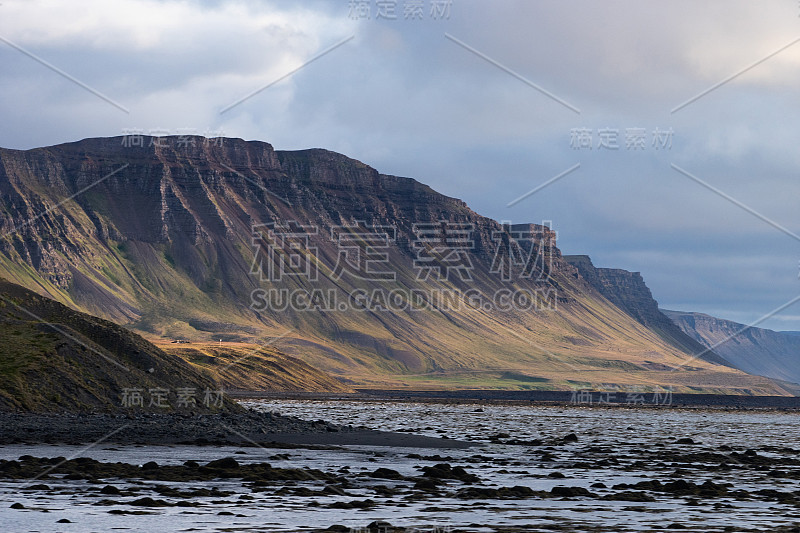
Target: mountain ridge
pixel 171 236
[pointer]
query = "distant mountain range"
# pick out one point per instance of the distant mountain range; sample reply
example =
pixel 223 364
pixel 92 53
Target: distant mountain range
pixel 373 279
pixel 775 354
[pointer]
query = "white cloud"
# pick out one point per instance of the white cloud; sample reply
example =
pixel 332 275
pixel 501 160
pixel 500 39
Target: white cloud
pixel 153 26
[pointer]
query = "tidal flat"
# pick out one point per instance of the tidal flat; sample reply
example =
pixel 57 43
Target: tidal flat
pixel 527 468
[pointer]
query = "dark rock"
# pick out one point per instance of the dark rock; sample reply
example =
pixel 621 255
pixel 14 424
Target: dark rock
pixel 709 489
pixel 186 503
pixel 571 491
pixel 445 471
pixel 149 502
pixel 503 493
pixel 386 473
pixel 227 463
pixel 426 484
pixel 354 504
pixel 680 487
pixel 629 496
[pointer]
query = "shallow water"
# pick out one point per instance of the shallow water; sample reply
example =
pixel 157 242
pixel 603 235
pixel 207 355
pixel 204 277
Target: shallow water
pixel 636 440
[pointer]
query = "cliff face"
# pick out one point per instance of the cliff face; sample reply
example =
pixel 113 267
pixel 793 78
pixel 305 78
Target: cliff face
pixel 628 291
pixel 624 289
pixel 755 350
pixel 376 279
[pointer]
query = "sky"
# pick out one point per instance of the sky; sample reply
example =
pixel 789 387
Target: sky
pixel 657 137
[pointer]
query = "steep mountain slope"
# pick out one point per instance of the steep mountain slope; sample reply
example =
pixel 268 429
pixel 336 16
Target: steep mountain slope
pixel 628 291
pixel 375 279
pixel 755 350
pixel 54 358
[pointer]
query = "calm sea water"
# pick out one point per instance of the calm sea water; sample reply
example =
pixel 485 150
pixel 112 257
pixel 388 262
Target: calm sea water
pixel 634 438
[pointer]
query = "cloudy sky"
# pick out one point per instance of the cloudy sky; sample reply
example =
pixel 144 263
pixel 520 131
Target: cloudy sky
pixel 677 121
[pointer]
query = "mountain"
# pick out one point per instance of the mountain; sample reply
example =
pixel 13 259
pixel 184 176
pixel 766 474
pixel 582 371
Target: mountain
pixel 755 350
pixel 376 280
